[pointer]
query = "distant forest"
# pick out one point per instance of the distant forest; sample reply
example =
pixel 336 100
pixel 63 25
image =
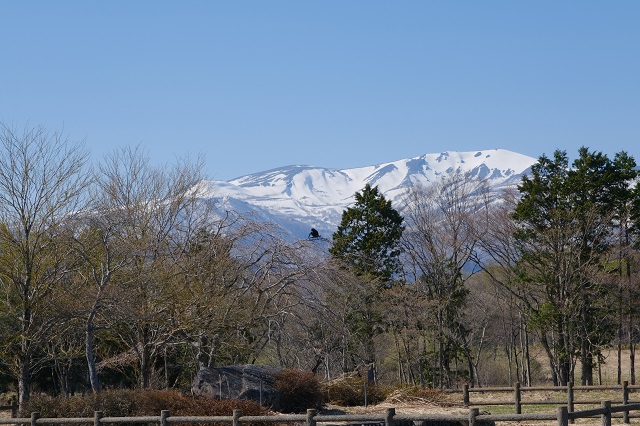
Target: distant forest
pixel 119 275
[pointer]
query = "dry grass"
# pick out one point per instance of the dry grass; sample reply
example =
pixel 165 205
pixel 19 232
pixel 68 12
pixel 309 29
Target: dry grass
pixel 410 395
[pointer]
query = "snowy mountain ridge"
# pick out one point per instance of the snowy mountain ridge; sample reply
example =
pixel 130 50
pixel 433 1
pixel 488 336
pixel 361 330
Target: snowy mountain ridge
pixel 300 197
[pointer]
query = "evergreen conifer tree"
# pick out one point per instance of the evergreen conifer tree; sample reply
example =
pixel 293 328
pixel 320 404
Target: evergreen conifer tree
pixel 368 238
pixel 566 219
pixel 367 243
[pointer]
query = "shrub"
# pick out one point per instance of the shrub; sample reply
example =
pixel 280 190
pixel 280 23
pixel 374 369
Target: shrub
pixel 121 402
pixel 48 406
pixel 124 402
pixel 299 390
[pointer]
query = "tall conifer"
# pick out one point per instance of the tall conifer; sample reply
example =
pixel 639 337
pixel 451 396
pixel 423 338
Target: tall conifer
pixel 368 238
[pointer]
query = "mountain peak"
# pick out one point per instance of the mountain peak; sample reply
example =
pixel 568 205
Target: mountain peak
pixel 299 197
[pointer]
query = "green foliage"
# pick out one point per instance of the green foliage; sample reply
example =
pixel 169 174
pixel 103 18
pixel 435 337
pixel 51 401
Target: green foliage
pixel 567 220
pixel 300 390
pixel 544 317
pixel 368 237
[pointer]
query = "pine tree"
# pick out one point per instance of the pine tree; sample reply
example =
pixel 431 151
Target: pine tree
pixel 565 217
pixel 367 243
pixel 368 238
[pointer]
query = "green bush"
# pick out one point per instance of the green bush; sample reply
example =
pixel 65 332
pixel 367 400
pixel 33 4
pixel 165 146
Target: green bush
pixel 124 402
pixel 350 392
pixel 300 390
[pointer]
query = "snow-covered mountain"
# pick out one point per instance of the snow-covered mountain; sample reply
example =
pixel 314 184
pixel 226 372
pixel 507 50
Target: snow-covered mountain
pixel 301 197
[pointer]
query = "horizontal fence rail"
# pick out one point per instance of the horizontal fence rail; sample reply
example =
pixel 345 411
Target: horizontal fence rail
pixel 571 401
pixel 562 417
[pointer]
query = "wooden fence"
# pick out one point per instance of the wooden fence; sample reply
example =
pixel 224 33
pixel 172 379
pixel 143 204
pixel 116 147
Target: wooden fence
pixel 570 391
pixel 562 417
pixel 13 406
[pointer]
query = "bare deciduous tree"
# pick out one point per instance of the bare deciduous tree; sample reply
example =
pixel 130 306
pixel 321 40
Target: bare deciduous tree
pixel 145 216
pixel 42 183
pixel 444 225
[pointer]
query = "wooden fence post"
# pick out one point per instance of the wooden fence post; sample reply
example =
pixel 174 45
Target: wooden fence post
pixel 570 405
pixel 388 418
pixel 563 416
pixel 14 407
pixel 366 403
pixel 34 418
pixel 236 417
pixel 518 398
pixel 606 417
pixel 311 413
pixel 465 395
pixel 473 413
pixel 97 415
pixel 625 400
pixel 163 417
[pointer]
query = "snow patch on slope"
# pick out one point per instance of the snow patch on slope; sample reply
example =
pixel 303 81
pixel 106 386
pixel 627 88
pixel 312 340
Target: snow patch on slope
pixel 300 197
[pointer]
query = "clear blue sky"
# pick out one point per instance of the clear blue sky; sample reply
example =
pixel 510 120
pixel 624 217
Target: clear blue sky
pixel 260 84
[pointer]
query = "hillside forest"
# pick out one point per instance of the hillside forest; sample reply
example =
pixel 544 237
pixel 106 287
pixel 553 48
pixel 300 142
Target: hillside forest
pixel 119 274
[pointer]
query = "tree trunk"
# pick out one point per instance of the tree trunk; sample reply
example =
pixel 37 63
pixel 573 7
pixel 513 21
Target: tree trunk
pixel 472 370
pixel 24 358
pixel 552 366
pixel 440 352
pixel 620 321
pixel 435 364
pixel 587 368
pixel 563 362
pixel 586 357
pixel 90 342
pixel 632 359
pixel 527 356
pixel 145 358
pixel 24 380
pixel 619 380
pixel 145 368
pixel 632 347
pixel 201 357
